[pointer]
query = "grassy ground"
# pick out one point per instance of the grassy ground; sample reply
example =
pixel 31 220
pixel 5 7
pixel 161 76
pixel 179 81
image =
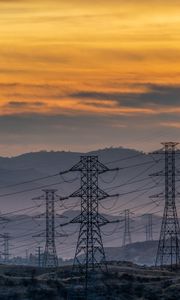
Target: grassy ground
pixel 124 281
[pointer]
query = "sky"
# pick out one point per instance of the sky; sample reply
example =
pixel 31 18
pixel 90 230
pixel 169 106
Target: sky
pixel 81 75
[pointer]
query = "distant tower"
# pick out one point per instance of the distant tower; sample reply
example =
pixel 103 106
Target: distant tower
pixel 6 253
pixel 169 243
pixel 50 259
pixel 50 255
pixel 127 233
pixel 149 225
pixel 39 262
pixel 27 257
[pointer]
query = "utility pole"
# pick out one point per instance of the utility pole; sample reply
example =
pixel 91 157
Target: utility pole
pixel 50 259
pixel 39 263
pixel 127 233
pixel 90 255
pixel 27 257
pixel 169 242
pixel 149 225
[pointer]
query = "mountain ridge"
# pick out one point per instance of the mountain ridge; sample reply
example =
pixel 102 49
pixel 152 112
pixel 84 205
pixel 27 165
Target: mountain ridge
pixel 71 152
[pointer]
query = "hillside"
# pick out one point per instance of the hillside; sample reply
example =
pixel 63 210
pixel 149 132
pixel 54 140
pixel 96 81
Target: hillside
pixel 142 253
pixel 132 182
pixel 22 228
pixel 125 281
pixel 34 165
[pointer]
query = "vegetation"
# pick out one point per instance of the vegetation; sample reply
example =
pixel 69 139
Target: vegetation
pixel 124 281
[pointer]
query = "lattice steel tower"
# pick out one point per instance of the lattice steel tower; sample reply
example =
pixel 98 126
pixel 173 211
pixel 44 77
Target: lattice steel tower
pixel 169 243
pixel 6 253
pixel 127 233
pixel 90 254
pixel 50 259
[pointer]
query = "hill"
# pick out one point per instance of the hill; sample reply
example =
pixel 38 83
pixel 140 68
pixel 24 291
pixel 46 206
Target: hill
pixel 142 253
pixel 34 165
pixel 125 281
pixel 132 182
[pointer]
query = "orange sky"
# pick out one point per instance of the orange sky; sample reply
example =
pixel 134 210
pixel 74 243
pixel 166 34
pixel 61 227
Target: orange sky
pixel 75 59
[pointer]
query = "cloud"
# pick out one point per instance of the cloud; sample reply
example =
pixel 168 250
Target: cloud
pixel 21 104
pixel 148 99
pixel 153 95
pixel 75 86
pixel 32 132
pixel 171 124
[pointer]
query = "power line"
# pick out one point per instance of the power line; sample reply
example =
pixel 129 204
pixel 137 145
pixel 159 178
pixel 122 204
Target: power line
pixel 134 177
pixel 55 175
pixel 33 189
pixel 30 181
pixel 126 158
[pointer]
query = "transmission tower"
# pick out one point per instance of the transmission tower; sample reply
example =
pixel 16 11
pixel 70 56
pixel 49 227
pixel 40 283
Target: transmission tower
pixel 127 233
pixel 27 256
pixel 90 255
pixel 50 259
pixel 169 242
pixel 149 225
pixel 6 253
pixel 38 255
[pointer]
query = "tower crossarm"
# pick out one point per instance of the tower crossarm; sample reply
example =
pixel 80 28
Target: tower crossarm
pixel 73 221
pixel 160 195
pixel 160 173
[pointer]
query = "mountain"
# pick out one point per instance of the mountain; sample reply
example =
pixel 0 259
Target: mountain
pixel 24 231
pixel 34 165
pixel 141 253
pixel 132 182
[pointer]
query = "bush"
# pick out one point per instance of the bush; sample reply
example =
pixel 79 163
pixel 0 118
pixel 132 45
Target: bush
pixel 41 294
pixel 152 293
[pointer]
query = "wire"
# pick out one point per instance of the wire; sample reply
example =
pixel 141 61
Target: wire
pixel 46 177
pixel 111 207
pixel 69 206
pixel 33 189
pixel 135 191
pixel 126 158
pixel 70 180
pixel 134 177
pixel 20 210
pixel 124 184
pixel 131 200
pixel 53 175
pixel 25 245
pixel 30 181
pixel 72 233
pixel 140 164
pixel 37 232
pixel 108 182
pixel 112 232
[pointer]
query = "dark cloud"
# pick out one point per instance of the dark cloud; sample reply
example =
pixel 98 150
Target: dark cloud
pixel 34 131
pixel 155 95
pixel 19 104
pixel 31 132
pixel 79 130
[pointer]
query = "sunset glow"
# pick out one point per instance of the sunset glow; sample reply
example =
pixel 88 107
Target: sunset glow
pixel 77 59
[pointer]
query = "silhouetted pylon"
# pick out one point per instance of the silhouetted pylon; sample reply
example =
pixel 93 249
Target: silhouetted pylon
pixel 50 259
pixel 169 242
pixel 127 233
pixel 90 255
